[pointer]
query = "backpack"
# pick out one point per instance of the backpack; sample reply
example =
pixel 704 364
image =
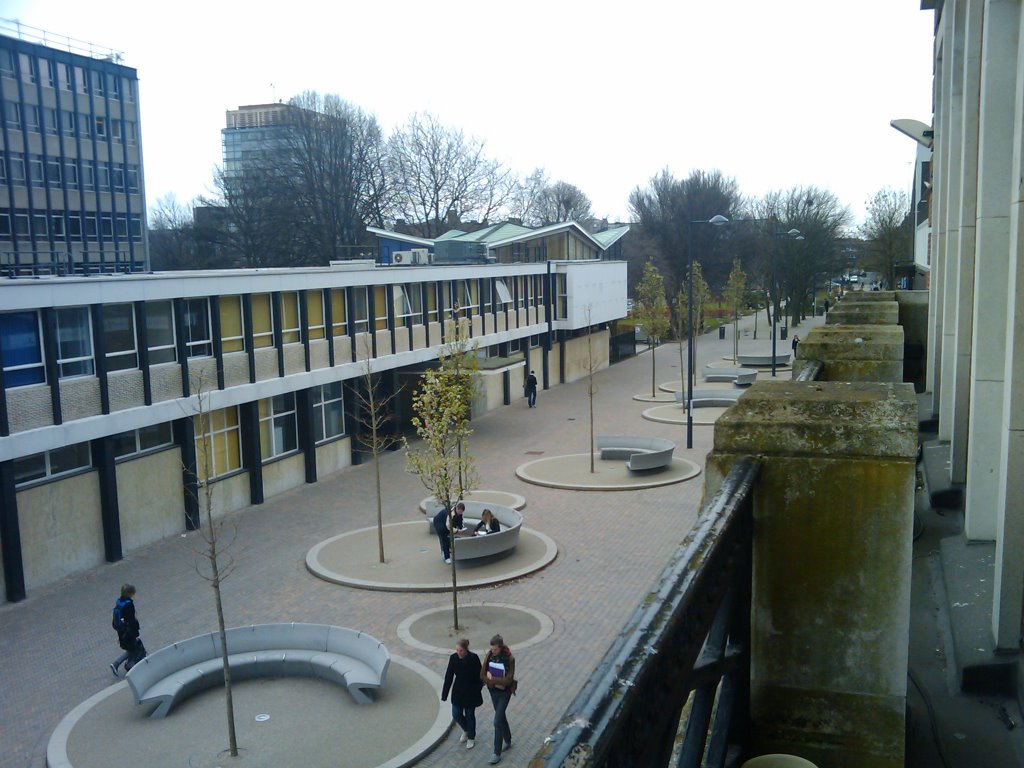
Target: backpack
pixel 117 620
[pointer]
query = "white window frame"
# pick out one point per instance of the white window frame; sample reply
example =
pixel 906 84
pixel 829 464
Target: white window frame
pixel 211 451
pixel 48 472
pixel 290 334
pixel 89 369
pixel 173 346
pixel 198 347
pixel 504 295
pixel 360 312
pixel 41 365
pixel 276 420
pixel 133 352
pixel 166 441
pixel 320 406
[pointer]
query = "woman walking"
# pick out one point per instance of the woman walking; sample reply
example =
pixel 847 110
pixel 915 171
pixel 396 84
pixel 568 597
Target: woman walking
pixel 463 681
pixel 498 674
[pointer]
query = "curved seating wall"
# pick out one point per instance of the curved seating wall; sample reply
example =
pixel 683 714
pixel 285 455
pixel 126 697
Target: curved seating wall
pixel 641 452
pixel 471 547
pixel 353 659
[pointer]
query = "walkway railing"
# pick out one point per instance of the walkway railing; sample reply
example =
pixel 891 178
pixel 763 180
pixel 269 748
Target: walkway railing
pixel 683 656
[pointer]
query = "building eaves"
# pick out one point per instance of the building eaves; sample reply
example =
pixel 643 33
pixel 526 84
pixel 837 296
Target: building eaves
pixel 551 229
pixel 608 237
pixel 399 236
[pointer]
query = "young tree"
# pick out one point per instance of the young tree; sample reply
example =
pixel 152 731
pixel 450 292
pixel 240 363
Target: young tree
pixel 651 311
pixel 701 295
pixel 375 417
pixel 591 369
pixel 888 232
pixel 442 408
pixel 218 564
pixel 735 294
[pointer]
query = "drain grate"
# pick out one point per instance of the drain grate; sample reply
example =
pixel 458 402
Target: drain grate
pixel 535 453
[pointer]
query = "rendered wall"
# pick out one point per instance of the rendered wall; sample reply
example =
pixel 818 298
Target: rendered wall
pixel 578 356
pixel 283 475
pixel 150 498
pixel 333 456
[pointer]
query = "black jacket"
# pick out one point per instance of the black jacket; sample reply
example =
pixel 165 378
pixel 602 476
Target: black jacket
pixel 466 675
pixel 128 637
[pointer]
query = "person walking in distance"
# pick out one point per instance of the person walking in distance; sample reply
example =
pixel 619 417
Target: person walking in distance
pixel 796 343
pixel 126 624
pixel 462 679
pixel 498 674
pixel 531 389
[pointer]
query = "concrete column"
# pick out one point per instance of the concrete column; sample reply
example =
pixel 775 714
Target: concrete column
pixel 854 352
pixel 1009 567
pixel 964 304
pixel 852 312
pixel 833 530
pixel 951 187
pixel 988 346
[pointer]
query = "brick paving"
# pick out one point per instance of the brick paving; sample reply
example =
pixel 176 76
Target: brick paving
pixel 612 545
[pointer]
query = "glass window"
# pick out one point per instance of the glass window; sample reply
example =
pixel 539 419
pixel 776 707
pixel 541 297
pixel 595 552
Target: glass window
pixel 414 295
pixel 380 307
pixel 328 412
pixel 232 326
pixel 16 163
pixel 50 124
pixel 198 340
pixel 22 348
pixel 119 337
pixel 48 71
pixel 218 443
pixel 160 332
pixel 278 426
pixel 315 314
pixel 338 324
pixel 74 342
pixel 28 70
pixel 291 329
pixel 262 321
pixel 6 63
pixel 360 310
pixel 59 462
pixel 401 306
pixel 561 298
pixel 143 440
pixel 64 76
pixel 431 302
pixel 504 296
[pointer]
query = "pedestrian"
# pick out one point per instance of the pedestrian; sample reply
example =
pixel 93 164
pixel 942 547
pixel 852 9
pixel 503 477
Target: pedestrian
pixel 126 623
pixel 826 306
pixel 531 389
pixel 441 528
pixel 796 343
pixel 498 674
pixel 462 679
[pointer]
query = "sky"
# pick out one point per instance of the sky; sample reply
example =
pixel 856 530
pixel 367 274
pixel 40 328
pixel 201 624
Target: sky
pixel 603 95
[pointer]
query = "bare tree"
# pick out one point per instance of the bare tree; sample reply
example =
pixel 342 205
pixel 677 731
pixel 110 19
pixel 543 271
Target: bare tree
pixel 172 236
pixel 735 294
pixel 524 203
pixel 375 417
pixel 249 218
pixel 888 232
pixel 562 201
pixel 651 311
pixel 440 174
pixel 218 563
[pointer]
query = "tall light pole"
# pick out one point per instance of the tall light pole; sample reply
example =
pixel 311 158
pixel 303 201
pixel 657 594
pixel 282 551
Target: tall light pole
pixel 793 234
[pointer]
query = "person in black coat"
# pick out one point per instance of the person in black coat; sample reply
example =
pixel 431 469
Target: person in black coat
pixel 128 631
pixel 462 679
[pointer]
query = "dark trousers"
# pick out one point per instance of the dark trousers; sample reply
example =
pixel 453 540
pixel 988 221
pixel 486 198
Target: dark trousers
pixel 466 718
pixel 134 654
pixel 500 700
pixel 442 535
pixel 531 397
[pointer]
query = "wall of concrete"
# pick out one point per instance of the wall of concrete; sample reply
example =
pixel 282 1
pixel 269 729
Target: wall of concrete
pixel 577 356
pixel 333 456
pixel 283 475
pixel 150 498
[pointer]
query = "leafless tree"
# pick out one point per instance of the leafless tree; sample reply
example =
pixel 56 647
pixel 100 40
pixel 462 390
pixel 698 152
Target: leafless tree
pixel 524 203
pixel 248 220
pixel 888 232
pixel 562 201
pixel 440 173
pixel 172 242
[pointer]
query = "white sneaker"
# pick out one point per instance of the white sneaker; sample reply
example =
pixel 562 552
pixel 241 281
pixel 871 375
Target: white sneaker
pixel 470 743
pixel 447 561
pixel 463 737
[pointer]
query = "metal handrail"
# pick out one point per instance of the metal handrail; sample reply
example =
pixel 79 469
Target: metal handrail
pixel 690 633
pixel 811 371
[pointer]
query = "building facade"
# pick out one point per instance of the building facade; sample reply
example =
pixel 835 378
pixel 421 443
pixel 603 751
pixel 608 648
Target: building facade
pixel 252 133
pixel 121 394
pixel 71 181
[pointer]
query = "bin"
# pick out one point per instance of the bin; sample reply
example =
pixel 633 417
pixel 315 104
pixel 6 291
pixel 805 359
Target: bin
pixel 721 331
pixel 778 761
pixel 783 332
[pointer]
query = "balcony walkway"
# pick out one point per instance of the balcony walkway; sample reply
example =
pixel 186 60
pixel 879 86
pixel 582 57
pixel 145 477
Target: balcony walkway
pixel 57 644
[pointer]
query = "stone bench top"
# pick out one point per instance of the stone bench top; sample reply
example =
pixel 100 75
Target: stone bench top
pixel 738 375
pixel 761 361
pixel 641 453
pixel 468 547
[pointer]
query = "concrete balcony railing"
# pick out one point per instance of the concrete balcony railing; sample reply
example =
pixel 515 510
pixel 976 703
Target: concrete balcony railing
pixel 782 626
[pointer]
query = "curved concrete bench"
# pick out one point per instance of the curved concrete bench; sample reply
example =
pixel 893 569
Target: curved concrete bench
pixel 763 361
pixel 741 377
pixel 471 547
pixel 641 452
pixel 343 656
pixel 711 398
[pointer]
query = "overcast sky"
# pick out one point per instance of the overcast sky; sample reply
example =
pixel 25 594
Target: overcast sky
pixel 601 94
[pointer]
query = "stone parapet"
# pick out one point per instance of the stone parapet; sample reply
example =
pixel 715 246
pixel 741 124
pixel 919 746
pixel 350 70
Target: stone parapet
pixel 833 530
pixel 852 312
pixel 854 352
pixel 856 296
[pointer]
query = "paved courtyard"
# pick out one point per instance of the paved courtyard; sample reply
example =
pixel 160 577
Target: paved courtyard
pixel 611 546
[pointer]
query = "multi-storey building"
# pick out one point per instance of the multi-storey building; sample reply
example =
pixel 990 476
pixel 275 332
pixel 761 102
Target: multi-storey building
pixel 71 186
pixel 253 132
pixel 121 394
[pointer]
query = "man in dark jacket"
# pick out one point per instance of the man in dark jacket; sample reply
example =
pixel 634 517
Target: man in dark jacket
pixel 127 631
pixel 464 672
pixel 530 388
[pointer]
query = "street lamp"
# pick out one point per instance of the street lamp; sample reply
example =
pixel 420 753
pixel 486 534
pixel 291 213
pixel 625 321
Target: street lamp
pixel 793 234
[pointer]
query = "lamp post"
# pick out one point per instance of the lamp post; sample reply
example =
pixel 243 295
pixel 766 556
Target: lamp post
pixel 793 234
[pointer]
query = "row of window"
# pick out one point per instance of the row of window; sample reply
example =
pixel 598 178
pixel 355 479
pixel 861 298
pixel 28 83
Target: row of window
pixel 77 227
pixel 36 119
pixel 63 76
pixel 87 175
pixel 218 439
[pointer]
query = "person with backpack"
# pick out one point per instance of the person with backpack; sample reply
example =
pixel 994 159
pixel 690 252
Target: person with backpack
pixel 498 673
pixel 126 624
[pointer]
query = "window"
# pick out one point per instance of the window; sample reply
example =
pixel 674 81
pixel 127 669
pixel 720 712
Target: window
pixel 68 122
pixel 485 296
pixel 400 303
pixel 561 298
pixel 504 297
pixel 75 226
pixel 97 82
pixel 31 113
pixel 431 302
pixel 232 326
pixel 133 178
pixel 107 226
pixel 114 85
pixel 53 174
pixel 57 225
pixel 35 170
pixel 338 324
pixel 49 72
pixel 6 63
pixel 466 296
pixel 137 441
pixel 12 114
pixel 22 348
pixel 81 85
pixel 328 412
pixel 160 332
pixel 130 131
pixel 90 226
pixel 59 462
pixel 262 321
pixel 50 121
pixel 115 129
pixel 218 443
pixel 291 329
pixel 278 426
pixel 119 337
pixel 315 314
pixel 39 226
pixel 28 71
pixel 380 307
pixel 198 340
pixel 64 76
pixel 360 310
pixel 414 295
pixel 74 342
pixel 100 126
pixel 16 164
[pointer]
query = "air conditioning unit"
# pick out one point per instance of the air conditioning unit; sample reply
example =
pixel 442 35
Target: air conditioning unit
pixel 420 256
pixel 401 257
